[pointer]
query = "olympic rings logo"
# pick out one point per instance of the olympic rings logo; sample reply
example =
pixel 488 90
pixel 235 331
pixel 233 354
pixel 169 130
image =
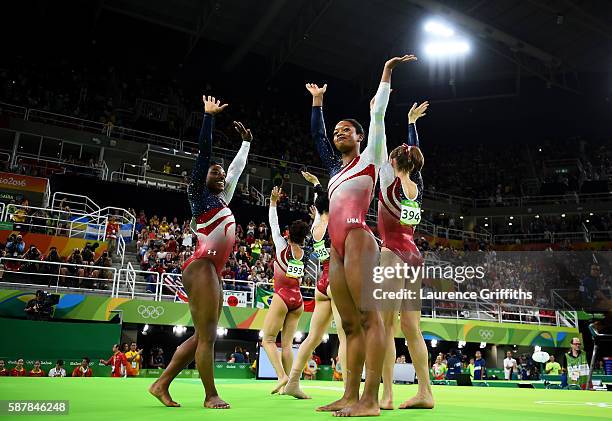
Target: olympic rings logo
pixel 485 335
pixel 150 311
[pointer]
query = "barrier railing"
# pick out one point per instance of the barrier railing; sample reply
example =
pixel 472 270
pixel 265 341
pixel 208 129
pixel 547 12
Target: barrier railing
pixel 120 252
pixel 77 202
pixel 600 235
pixel 62 120
pixel 62 276
pixel 13 110
pixel 143 137
pixel 55 222
pixel 147 181
pixel 56 166
pixel 135 283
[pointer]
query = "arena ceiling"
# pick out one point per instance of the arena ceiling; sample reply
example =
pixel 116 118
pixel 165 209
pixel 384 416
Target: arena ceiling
pixel 553 40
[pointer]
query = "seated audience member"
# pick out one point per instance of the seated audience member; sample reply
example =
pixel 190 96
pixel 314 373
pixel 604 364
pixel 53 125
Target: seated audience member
pixel 157 358
pixel 32 254
pixel 83 370
pixel 58 370
pixel 310 370
pixel 52 257
pixel 19 370
pixel 104 275
pixel 4 372
pixel 36 371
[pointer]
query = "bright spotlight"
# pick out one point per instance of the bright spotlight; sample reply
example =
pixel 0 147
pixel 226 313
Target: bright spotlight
pixel 221 331
pixel 434 343
pixel 447 48
pixel 179 330
pixel 483 345
pixel 145 328
pixel 439 28
pixel 261 334
pixel 461 344
pixel 298 336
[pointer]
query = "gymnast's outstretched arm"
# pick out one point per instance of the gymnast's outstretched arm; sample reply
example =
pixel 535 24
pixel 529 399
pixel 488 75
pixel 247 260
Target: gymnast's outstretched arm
pixel 238 163
pixel 327 153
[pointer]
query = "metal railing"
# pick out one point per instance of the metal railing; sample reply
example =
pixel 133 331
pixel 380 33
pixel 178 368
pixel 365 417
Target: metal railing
pixel 120 252
pixel 56 222
pixel 58 275
pixel 62 166
pixel 133 283
pixel 600 235
pixel 63 120
pixel 147 180
pixel 13 110
pixel 539 237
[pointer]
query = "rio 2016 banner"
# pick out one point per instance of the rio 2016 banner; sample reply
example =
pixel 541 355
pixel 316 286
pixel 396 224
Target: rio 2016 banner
pixel 84 307
pixel 18 187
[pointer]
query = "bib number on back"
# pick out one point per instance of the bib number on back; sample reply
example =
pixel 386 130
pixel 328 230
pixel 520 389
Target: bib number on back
pixel 321 250
pixel 295 269
pixel 410 213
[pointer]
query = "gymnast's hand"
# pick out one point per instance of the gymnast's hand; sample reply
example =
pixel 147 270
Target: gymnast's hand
pixel 310 178
pixel 393 62
pixel 315 91
pixel 276 192
pixel 245 133
pixel 313 212
pixel 417 112
pixel 212 105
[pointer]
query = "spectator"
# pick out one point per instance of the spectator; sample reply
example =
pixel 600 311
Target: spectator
pixel 552 367
pixel 238 356
pixel 36 371
pixel 438 369
pixel 157 359
pixel 310 369
pixel 15 246
pixel 52 257
pixel 83 370
pixel 32 254
pixel 337 367
pixel 471 368
pixel 3 370
pixel 134 358
pixel 19 370
pixel 73 272
pixel 167 169
pixel 454 366
pixel 58 370
pixel 37 309
pixel 510 366
pixel 117 361
pixel 104 275
pixel 480 367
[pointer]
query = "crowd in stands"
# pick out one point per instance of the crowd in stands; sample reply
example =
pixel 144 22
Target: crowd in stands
pixel 114 96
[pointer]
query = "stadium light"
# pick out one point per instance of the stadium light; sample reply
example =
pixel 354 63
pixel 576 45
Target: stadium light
pixel 510 223
pixel 512 217
pixel 221 332
pixel 145 329
pixel 461 344
pixel 587 221
pixel 261 334
pixel 325 338
pixel 298 336
pixel 537 348
pixel 590 213
pixel 447 48
pixel 178 165
pixel 562 215
pixel 434 343
pixel 439 28
pixel 537 217
pixel 179 330
pixel 483 345
pixel 486 225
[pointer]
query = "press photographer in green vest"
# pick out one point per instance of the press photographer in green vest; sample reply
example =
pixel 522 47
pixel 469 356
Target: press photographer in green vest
pixel 575 365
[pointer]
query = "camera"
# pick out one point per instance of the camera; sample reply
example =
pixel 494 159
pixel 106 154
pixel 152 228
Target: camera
pixel 41 308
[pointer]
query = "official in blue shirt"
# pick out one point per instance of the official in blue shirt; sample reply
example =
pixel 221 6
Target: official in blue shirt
pixel 454 366
pixel 480 367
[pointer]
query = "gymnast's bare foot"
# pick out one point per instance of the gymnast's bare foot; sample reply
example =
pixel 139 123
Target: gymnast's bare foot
pixel 215 402
pixel 337 405
pixel 386 403
pixel 281 383
pixel 162 394
pixel 293 389
pixel 360 409
pixel 420 401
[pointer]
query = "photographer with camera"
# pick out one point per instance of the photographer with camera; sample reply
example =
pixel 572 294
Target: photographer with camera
pixel 32 254
pixel 73 272
pixel 40 307
pixel 103 274
pixel 15 246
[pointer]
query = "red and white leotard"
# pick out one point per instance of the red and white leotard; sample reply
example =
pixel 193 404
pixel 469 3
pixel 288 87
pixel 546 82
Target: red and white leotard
pixel 351 188
pixel 287 288
pixel 395 236
pixel 213 221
